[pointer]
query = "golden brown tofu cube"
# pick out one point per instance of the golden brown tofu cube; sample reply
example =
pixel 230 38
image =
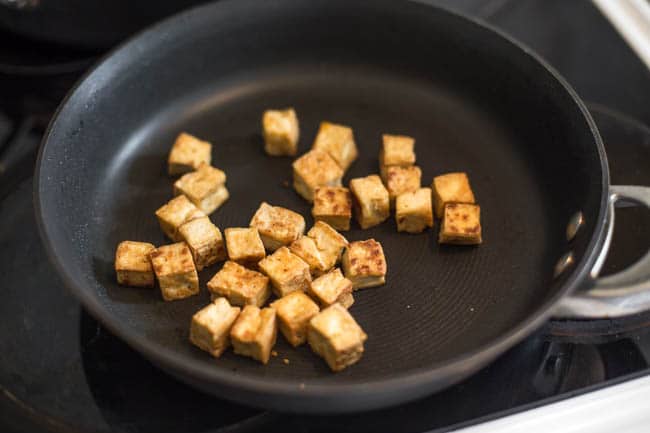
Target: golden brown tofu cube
pixel 396 150
pixel 205 187
pixel 450 188
pixel 331 288
pixel 254 333
pixel 402 179
pixel 294 312
pixel 188 153
pixel 413 211
pixel 132 264
pixel 240 285
pixel 281 132
pixel 364 264
pixel 461 224
pixel 338 141
pixel 287 272
pixel 244 245
pixel 277 226
pixel 329 242
pixel 333 205
pixel 210 328
pixel 315 168
pixel 371 201
pixel 175 213
pixel 175 271
pixel 305 248
pixel 205 242
pixel 334 335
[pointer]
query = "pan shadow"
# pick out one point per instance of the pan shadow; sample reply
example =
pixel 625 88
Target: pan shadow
pixel 130 392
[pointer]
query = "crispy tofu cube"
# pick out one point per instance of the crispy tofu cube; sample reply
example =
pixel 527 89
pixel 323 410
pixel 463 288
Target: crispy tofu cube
pixel 132 264
pixel 364 264
pixel 333 205
pixel 338 141
pixel 329 242
pixel 371 201
pixel 281 132
pixel 175 271
pixel 175 213
pixel 210 327
pixel 334 335
pixel 277 226
pixel 254 333
pixel 205 187
pixel 450 188
pixel 244 245
pixel 240 285
pixel 396 150
pixel 294 312
pixel 305 248
pixel 413 211
pixel 315 168
pixel 402 179
pixel 287 272
pixel 204 240
pixel 188 153
pixel 331 288
pixel 461 224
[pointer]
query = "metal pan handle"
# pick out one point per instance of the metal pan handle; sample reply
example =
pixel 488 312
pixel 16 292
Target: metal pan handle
pixel 624 293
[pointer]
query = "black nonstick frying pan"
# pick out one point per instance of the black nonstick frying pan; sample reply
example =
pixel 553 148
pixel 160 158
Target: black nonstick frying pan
pixel 475 101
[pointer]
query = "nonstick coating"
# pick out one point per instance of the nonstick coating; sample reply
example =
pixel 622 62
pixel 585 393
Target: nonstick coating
pixel 474 102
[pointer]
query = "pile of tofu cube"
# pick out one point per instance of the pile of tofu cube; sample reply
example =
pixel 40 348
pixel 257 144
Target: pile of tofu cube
pixel 311 274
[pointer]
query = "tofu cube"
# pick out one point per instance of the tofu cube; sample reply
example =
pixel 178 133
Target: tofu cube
pixel 287 272
pixel 396 150
pixel 188 153
pixel 210 327
pixel 294 312
pixel 305 248
pixel 277 226
pixel 244 245
pixel 364 264
pixel 254 333
pixel 413 211
pixel 313 169
pixel 175 271
pixel 281 132
pixel 174 214
pixel 331 288
pixel 205 187
pixel 132 264
pixel 371 201
pixel 240 285
pixel 204 240
pixel 338 141
pixel 334 335
pixel 461 224
pixel 329 242
pixel 450 188
pixel 402 179
pixel 333 205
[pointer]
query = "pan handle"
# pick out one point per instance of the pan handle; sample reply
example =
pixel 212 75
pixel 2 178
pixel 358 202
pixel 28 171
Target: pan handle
pixel 624 293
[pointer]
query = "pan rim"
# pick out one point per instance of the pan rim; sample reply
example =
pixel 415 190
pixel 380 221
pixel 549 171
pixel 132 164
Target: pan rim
pixel 364 394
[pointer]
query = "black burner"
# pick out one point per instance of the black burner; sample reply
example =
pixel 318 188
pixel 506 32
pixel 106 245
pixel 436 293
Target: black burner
pixel 60 371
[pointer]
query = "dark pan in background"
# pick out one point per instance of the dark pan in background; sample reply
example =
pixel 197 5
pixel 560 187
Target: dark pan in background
pixel 474 100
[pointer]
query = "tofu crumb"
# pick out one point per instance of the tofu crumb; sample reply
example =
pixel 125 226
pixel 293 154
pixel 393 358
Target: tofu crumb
pixel 286 361
pixel 274 353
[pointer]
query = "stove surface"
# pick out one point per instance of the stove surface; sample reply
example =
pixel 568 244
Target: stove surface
pixel 60 371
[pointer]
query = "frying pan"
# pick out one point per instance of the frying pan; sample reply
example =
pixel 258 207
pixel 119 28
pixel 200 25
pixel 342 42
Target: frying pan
pixel 475 101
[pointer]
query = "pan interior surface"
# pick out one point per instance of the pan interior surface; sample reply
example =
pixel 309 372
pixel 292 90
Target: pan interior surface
pixel 473 103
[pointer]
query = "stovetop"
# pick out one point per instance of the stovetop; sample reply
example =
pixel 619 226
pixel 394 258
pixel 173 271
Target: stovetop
pixel 60 371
